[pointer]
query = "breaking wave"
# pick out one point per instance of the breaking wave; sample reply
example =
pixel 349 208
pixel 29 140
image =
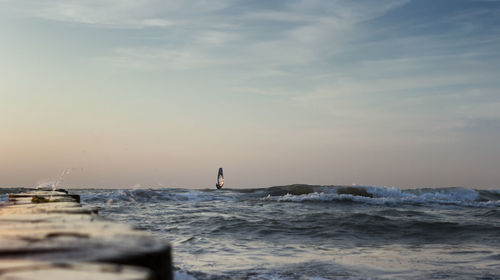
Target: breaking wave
pixel 389 196
pixel 376 195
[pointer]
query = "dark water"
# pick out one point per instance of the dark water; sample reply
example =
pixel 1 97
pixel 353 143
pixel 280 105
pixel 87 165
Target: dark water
pixel 312 232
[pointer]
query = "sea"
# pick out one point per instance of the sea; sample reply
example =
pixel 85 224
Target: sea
pixel 315 232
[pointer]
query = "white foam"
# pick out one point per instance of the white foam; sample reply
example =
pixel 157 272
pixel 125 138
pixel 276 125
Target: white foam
pixel 321 196
pixel 386 192
pixel 390 195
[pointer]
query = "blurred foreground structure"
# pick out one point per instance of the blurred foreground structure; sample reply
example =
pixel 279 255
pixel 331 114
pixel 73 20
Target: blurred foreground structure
pixel 48 234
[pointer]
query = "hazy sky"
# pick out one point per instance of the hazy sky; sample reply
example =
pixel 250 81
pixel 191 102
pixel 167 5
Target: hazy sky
pixel 161 93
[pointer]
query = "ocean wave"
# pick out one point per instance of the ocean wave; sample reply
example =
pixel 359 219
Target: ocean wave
pixel 390 195
pixel 155 195
pixel 377 195
pixel 182 275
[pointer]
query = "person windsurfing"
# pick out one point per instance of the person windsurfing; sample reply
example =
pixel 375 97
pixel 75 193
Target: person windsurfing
pixel 220 179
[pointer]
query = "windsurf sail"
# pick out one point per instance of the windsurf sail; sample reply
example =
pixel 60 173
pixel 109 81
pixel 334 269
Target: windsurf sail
pixel 220 179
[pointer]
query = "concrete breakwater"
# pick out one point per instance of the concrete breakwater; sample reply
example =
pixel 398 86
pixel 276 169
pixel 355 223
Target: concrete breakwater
pixel 48 234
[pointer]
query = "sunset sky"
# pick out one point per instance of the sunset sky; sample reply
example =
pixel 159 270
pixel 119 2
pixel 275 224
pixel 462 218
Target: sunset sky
pixel 159 93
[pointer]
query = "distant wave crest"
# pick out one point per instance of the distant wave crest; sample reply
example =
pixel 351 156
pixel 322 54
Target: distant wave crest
pixel 390 195
pixel 307 193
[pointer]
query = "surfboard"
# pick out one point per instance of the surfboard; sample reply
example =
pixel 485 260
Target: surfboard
pixel 220 179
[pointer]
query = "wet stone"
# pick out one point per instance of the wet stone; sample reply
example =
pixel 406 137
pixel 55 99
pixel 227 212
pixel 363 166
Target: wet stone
pixel 42 229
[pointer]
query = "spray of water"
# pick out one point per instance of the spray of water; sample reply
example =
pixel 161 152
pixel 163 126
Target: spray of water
pixel 131 194
pixel 52 185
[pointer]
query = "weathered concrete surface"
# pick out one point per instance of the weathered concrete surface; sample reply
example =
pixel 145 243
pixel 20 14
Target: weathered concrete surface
pixel 36 270
pixel 53 227
pixel 43 197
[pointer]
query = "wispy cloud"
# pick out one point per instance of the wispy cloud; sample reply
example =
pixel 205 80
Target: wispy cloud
pixel 218 22
pixel 214 38
pixel 157 59
pixel 327 45
pixel 123 13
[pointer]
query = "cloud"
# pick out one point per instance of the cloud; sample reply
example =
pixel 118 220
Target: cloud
pixel 157 59
pixel 300 47
pixel 124 13
pixel 486 128
pixel 218 38
pixel 155 22
pixel 257 34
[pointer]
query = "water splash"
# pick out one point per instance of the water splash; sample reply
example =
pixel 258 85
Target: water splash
pixel 53 185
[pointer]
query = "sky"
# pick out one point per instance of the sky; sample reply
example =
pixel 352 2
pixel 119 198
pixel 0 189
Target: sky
pixel 158 93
